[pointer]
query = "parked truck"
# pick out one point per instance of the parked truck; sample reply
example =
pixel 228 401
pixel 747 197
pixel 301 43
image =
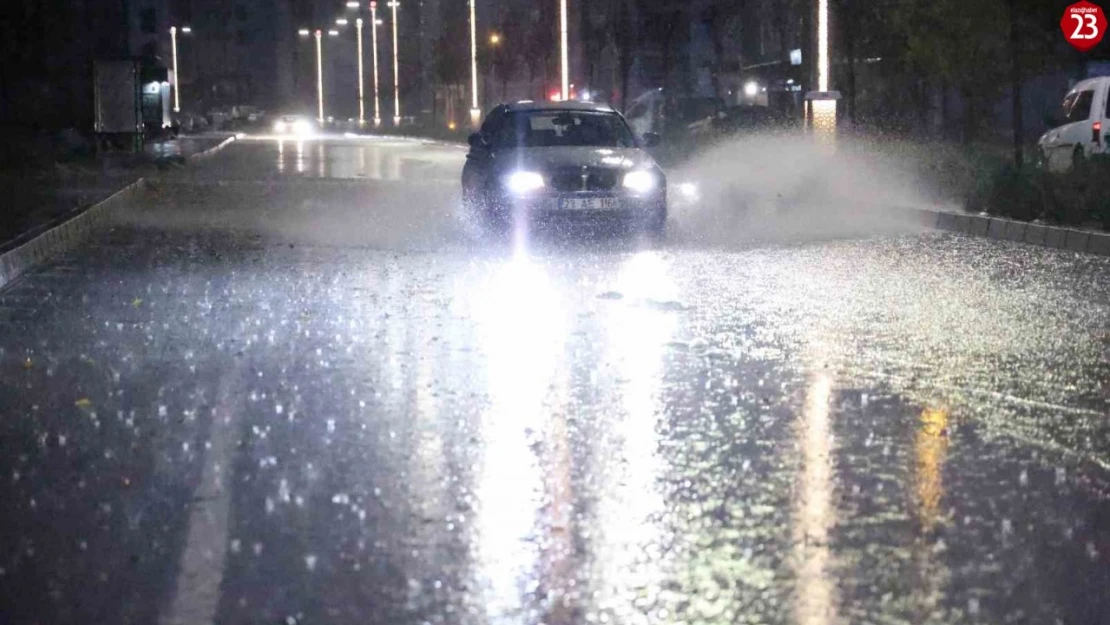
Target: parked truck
pixel 117 98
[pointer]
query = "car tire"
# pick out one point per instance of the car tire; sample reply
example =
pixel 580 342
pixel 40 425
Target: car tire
pixel 1078 158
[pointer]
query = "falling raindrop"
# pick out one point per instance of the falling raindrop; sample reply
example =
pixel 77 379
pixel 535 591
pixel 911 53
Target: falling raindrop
pixel 973 606
pixel 310 562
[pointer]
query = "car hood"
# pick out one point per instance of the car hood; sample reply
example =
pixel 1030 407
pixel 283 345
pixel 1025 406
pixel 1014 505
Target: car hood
pixel 550 158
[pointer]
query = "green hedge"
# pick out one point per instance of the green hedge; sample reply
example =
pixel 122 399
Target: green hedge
pixel 1078 197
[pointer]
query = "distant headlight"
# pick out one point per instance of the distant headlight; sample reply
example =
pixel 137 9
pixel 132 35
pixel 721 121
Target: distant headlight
pixel 302 127
pixel 639 181
pixel 522 182
pixel 280 127
pixel 689 191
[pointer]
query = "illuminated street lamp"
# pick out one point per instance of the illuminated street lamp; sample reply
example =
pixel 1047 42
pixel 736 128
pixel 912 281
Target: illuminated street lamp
pixel 396 85
pixel 563 45
pixel 375 22
pixel 495 39
pixel 361 88
pixel 320 75
pixel 342 21
pixel 475 112
pixel 185 30
pixel 352 5
pixel 822 103
pixel 318 34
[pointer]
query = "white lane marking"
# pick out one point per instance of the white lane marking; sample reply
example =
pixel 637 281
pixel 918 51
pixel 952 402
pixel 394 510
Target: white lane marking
pixel 201 569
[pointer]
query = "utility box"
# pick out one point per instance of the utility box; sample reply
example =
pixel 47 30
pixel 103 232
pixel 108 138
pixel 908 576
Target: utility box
pixel 117 98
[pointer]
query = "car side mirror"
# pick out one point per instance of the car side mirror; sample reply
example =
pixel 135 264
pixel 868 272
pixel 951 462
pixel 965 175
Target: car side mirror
pixel 651 139
pixel 478 140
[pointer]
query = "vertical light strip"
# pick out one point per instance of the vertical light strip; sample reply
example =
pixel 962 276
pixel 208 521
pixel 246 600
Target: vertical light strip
pixel 563 38
pixel 822 45
pixel 319 76
pixel 361 88
pixel 176 75
pixel 374 43
pixel 396 87
pixel 473 59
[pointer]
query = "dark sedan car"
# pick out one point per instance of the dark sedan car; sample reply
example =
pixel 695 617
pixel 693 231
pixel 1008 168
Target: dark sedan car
pixel 536 161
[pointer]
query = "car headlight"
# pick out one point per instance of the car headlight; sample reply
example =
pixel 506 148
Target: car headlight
pixel 639 181
pixel 521 182
pixel 302 127
pixel 280 127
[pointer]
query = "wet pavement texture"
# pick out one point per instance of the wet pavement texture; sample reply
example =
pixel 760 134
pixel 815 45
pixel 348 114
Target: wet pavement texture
pixel 295 386
pixel 38 193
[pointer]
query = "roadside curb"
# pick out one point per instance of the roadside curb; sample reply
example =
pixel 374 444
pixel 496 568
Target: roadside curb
pixel 1056 237
pixel 76 227
pixel 63 236
pixel 212 150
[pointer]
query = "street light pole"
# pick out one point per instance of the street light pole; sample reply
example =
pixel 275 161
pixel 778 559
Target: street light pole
pixel 396 88
pixel 821 104
pixel 361 90
pixel 319 76
pixel 176 75
pixel 822 45
pixel 374 42
pixel 563 38
pixel 475 112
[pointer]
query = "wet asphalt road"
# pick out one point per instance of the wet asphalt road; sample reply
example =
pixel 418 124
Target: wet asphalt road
pixel 295 386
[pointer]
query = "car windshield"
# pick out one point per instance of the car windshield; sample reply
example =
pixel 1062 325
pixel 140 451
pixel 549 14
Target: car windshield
pixel 541 129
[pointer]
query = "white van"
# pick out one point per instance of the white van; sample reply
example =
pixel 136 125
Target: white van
pixel 1082 126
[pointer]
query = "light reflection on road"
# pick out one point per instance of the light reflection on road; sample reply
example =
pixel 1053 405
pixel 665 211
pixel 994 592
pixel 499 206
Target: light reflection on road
pixel 815 600
pixel 520 325
pixel 930 447
pixel 629 552
pixel 365 158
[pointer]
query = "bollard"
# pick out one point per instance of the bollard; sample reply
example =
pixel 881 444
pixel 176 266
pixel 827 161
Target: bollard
pixel 821 116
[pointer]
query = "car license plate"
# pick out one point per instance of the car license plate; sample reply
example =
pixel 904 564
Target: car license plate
pixel 588 203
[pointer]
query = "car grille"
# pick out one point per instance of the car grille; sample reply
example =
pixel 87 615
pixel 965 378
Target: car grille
pixel 577 179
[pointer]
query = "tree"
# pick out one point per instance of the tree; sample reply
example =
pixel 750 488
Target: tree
pixel 718 18
pixel 595 37
pixel 506 54
pixel 451 55
pixel 971 44
pixel 624 36
pixel 540 33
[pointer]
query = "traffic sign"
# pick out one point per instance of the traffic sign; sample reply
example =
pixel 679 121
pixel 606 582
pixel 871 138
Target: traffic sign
pixel 1083 24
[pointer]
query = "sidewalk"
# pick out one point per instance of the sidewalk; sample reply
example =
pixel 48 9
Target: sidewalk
pixel 38 195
